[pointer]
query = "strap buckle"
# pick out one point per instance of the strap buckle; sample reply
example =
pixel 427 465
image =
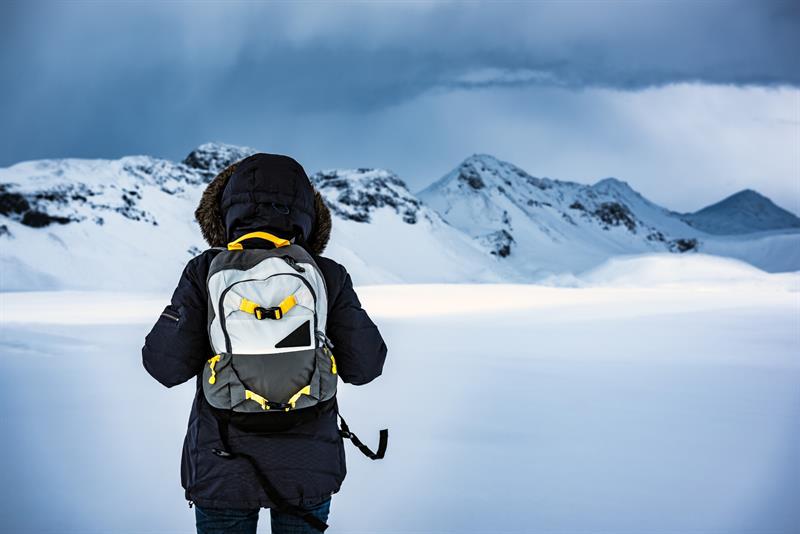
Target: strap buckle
pixel 273 312
pixel 383 441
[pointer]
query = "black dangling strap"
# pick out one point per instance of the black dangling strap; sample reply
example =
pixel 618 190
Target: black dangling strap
pixel 272 492
pixel 223 418
pixel 383 441
pixel 279 501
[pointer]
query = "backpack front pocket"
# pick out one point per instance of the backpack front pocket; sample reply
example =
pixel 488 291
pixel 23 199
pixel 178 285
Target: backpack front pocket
pixel 262 382
pixel 272 315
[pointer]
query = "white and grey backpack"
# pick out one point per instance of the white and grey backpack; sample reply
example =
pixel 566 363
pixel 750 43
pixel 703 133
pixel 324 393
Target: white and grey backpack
pixel 267 311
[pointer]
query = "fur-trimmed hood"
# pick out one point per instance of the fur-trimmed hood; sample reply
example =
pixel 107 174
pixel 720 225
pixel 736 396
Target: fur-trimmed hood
pixel 268 192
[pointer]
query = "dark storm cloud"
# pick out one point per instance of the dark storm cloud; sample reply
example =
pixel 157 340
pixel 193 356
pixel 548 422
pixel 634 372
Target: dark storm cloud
pixel 107 79
pixel 361 56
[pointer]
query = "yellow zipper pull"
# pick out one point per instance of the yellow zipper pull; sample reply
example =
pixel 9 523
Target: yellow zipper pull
pixel 333 361
pixel 211 363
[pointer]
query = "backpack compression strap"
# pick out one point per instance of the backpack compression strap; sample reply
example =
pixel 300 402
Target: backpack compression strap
pixel 275 312
pixel 267 405
pixel 383 441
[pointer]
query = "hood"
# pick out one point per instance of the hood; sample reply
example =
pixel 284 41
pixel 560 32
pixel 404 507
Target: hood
pixel 266 192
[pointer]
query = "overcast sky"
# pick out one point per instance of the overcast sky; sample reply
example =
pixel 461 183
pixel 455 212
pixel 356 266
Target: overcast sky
pixel 688 102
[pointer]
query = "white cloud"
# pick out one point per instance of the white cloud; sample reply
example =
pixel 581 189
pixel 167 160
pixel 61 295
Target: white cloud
pixel 493 76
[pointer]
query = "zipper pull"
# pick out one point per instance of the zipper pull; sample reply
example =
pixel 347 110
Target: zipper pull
pixel 170 315
pixel 327 345
pixel 325 340
pixel 291 261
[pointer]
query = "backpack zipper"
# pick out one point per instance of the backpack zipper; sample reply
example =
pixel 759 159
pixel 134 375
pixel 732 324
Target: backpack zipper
pixel 293 263
pixel 324 339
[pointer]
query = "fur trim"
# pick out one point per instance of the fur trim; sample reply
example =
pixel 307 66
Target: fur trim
pixel 208 214
pixel 212 224
pixel 321 231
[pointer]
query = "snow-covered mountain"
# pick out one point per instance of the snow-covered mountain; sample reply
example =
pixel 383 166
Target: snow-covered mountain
pixel 111 224
pixel 385 234
pixel 742 213
pixel 127 223
pixel 103 223
pixel 545 225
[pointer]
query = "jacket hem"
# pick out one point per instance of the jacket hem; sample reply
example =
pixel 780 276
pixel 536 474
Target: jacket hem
pixel 260 503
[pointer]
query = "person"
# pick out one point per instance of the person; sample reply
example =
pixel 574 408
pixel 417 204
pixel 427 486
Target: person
pixel 305 462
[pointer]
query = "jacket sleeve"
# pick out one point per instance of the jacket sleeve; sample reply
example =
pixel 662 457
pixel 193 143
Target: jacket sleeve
pixel 357 344
pixel 177 347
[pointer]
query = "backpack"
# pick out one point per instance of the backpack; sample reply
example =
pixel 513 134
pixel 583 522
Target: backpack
pixel 267 310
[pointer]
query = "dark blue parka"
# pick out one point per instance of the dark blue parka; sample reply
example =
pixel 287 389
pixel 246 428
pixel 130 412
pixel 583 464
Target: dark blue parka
pixel 306 463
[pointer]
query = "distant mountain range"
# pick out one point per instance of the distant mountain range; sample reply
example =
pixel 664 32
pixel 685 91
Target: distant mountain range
pixel 128 224
pixel 742 213
pixel 545 225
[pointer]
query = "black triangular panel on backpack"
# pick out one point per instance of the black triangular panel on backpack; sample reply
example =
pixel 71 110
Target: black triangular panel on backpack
pixel 300 337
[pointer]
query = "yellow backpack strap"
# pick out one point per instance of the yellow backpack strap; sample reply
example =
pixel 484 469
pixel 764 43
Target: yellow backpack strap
pixel 265 404
pixel 286 304
pixel 248 306
pixel 251 395
pixel 275 312
pixel 305 391
pixel 275 240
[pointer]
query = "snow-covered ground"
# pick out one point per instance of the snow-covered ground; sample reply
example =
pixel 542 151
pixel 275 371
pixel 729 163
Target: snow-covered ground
pixel 632 401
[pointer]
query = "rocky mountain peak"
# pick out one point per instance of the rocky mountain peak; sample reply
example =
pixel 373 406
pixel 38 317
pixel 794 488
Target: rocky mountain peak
pixel 355 193
pixel 746 196
pixel 612 183
pixel 743 212
pixel 213 157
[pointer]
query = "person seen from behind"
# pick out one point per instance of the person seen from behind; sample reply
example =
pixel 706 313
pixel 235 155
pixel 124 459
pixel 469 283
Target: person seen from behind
pixel 266 326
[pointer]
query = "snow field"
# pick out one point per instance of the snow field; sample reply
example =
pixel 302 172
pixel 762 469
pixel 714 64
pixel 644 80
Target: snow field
pixel 511 408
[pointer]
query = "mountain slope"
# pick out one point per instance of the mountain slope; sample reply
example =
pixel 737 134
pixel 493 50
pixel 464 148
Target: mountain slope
pixel 103 223
pixel 744 212
pixel 386 234
pixel 543 224
pixel 127 223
